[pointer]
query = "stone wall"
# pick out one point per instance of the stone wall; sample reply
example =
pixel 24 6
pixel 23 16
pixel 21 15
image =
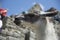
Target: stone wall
pixel 11 31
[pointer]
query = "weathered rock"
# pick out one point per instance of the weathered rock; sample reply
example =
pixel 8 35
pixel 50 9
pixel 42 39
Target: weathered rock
pixel 11 31
pixel 2 38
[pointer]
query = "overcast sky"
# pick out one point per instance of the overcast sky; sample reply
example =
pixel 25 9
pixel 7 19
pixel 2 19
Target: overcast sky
pixel 17 6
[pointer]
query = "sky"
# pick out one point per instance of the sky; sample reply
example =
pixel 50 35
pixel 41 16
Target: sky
pixel 17 6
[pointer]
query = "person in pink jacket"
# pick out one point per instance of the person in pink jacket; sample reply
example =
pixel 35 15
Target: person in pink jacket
pixel 2 15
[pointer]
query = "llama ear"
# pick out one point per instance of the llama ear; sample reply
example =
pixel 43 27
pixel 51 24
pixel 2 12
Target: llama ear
pixel 49 14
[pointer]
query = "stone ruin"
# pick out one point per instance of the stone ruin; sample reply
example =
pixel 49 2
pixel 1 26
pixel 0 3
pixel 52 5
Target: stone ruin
pixel 17 29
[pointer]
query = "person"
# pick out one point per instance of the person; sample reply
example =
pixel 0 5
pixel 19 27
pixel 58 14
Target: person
pixel 2 15
pixel 0 23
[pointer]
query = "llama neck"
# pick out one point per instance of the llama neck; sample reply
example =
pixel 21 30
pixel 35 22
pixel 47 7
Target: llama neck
pixel 50 31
